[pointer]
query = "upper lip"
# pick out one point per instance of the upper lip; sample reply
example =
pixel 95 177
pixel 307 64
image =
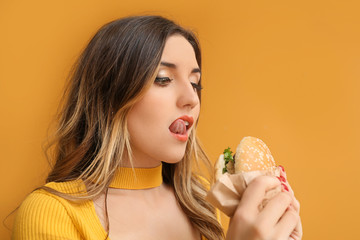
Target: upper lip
pixel 188 119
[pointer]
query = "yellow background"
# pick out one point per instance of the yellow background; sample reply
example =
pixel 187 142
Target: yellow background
pixel 284 71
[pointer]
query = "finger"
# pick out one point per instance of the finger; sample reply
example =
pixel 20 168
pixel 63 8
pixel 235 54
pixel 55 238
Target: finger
pixel 288 186
pixel 287 224
pixel 282 171
pixel 274 210
pixel 297 233
pixel 255 192
pixel 284 181
pixel 295 202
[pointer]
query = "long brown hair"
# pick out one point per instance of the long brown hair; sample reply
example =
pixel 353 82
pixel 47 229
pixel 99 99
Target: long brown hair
pixel 113 72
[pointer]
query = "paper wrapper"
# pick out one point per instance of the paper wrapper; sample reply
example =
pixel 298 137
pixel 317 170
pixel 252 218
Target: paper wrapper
pixel 226 193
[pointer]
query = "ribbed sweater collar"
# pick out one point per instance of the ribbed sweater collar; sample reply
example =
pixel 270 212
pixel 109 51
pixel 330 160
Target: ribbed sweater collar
pixel 137 178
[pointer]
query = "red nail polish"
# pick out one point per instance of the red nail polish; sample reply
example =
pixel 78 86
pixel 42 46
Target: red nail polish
pixel 282 179
pixel 282 168
pixel 285 187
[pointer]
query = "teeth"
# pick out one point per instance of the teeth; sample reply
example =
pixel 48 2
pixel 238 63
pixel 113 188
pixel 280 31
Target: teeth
pixel 186 123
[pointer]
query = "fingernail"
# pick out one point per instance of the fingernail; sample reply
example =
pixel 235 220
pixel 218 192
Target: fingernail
pixel 284 186
pixel 282 168
pixel 282 179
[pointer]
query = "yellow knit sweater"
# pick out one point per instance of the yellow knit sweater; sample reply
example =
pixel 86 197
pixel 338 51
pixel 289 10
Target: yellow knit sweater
pixel 46 216
pixel 43 215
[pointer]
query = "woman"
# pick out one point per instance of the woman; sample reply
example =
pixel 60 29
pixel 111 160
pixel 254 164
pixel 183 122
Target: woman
pixel 126 145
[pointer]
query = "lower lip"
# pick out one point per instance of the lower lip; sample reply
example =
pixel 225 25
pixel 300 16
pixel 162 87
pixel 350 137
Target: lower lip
pixel 180 137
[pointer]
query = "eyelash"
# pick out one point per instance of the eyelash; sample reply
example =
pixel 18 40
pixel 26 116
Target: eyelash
pixel 164 81
pixel 197 87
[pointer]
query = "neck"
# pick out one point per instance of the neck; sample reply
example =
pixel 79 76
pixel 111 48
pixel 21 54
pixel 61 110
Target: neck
pixel 139 162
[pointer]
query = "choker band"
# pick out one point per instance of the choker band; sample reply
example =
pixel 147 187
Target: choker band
pixel 137 178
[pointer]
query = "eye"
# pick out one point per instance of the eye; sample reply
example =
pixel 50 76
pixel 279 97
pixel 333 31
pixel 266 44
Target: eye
pixel 163 81
pixel 196 87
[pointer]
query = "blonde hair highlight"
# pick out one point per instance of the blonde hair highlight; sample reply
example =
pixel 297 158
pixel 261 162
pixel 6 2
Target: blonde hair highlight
pixel 92 137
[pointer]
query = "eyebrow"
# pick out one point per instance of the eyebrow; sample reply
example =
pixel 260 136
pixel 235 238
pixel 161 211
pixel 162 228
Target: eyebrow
pixel 171 65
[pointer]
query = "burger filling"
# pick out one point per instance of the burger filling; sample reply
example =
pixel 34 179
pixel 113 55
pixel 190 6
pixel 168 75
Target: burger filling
pixel 229 161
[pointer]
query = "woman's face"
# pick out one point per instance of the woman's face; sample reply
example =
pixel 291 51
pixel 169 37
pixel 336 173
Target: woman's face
pixel 160 123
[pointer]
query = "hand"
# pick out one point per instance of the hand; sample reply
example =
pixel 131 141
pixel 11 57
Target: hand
pixel 279 220
pixel 297 233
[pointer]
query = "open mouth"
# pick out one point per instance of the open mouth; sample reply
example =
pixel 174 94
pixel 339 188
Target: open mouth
pixel 179 128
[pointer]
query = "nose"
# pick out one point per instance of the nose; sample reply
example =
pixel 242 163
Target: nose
pixel 187 96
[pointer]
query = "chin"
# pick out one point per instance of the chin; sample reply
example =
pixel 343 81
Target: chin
pixel 174 158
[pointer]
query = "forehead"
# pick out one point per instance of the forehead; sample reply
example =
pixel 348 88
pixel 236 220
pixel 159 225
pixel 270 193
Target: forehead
pixel 178 50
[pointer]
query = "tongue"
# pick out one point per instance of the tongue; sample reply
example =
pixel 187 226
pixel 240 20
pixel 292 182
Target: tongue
pixel 178 127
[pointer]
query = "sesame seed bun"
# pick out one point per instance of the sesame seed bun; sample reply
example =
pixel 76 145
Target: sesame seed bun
pixel 252 154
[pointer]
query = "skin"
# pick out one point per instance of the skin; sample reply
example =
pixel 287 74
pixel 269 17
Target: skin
pixel 279 220
pixel 154 213
pixel 163 103
pixel 146 213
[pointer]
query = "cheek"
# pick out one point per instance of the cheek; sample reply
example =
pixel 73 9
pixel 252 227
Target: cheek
pixel 150 108
pixel 195 113
pixel 147 117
